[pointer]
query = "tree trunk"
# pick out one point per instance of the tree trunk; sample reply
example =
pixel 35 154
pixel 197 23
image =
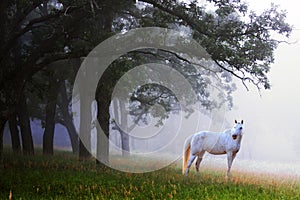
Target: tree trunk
pixel 2 126
pixel 48 136
pixel 85 131
pixel 26 135
pixel 115 120
pixel 85 124
pixel 124 133
pixel 121 116
pixel 103 98
pixel 103 139
pixel 14 133
pixel 63 103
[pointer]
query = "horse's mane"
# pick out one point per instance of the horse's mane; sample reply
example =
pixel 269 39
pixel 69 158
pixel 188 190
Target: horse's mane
pixel 227 131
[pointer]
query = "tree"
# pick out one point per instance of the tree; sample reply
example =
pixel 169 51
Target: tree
pixel 85 122
pixel 48 137
pixel 50 100
pixel 14 132
pixel 50 31
pixel 67 118
pixel 119 108
pixel 26 135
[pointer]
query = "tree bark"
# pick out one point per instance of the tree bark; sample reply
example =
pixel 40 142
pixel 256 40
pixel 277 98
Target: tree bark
pixel 124 134
pixel 63 104
pixel 26 135
pixel 14 133
pixel 2 125
pixel 120 112
pixel 85 132
pixel 48 136
pixel 103 139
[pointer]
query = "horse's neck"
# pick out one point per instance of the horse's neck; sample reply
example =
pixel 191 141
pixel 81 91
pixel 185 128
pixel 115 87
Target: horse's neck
pixel 227 131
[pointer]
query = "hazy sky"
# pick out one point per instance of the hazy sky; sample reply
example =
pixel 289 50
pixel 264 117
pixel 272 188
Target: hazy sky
pixel 272 120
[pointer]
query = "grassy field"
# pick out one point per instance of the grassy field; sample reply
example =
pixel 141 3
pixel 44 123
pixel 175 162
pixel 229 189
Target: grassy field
pixel 62 176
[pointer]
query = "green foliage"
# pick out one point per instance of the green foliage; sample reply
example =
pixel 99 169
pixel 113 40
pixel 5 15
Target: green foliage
pixel 239 40
pixel 63 177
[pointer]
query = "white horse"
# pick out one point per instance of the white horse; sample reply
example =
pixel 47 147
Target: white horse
pixel 227 142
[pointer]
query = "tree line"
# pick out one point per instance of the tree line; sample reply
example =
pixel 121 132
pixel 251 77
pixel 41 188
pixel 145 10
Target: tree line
pixel 43 43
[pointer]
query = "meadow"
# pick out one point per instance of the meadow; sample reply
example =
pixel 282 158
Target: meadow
pixel 62 176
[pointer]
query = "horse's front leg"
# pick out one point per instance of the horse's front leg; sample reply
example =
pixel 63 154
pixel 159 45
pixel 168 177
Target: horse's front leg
pixel 230 158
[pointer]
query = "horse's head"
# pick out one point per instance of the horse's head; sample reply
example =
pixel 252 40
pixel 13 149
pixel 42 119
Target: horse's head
pixel 237 129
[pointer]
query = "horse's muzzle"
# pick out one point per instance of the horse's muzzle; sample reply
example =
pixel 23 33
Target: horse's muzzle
pixel 234 137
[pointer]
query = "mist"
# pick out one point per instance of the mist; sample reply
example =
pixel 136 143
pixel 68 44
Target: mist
pixel 272 128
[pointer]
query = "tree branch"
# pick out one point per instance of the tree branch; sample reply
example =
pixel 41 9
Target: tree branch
pixel 234 74
pixel 183 16
pixel 180 58
pixel 29 26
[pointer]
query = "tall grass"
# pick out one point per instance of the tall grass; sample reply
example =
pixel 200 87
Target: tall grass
pixel 62 176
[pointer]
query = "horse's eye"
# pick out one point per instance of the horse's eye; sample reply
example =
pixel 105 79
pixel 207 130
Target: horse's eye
pixel 241 128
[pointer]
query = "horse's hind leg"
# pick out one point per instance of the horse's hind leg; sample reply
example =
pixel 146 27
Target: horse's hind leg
pixel 199 159
pixel 192 158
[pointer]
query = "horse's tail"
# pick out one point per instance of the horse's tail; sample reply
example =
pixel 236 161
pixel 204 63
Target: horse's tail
pixel 186 153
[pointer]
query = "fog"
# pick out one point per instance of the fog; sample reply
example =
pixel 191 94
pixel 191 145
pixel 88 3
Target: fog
pixel 272 127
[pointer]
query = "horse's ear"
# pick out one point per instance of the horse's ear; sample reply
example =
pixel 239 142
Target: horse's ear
pixel 242 121
pixel 235 121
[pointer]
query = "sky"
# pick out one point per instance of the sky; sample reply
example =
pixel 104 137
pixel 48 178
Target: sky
pixel 272 126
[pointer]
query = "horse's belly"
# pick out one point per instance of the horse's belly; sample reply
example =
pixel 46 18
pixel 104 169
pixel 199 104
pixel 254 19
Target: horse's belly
pixel 213 146
pixel 217 152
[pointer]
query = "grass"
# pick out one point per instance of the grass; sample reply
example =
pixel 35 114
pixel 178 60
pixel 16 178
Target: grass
pixel 62 176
